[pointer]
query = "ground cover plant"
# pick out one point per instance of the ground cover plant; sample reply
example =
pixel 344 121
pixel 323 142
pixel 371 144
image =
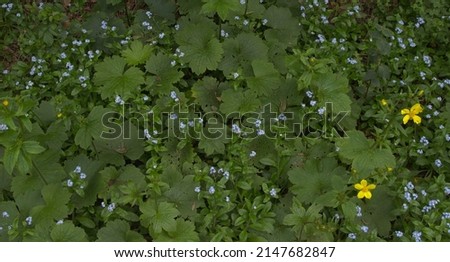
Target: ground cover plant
pixel 218 120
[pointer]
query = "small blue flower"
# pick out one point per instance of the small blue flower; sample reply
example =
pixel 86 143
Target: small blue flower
pixel 352 236
pixel 398 233
pixel 211 190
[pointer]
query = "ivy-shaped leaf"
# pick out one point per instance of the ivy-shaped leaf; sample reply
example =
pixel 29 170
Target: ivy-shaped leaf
pixel 114 79
pixel 137 53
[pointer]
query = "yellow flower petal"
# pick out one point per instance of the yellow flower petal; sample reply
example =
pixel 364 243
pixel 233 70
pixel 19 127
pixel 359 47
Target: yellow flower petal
pixel 367 194
pixel 405 111
pixel 406 119
pixel 416 109
pixel 364 183
pixel 360 194
pixel 358 186
pixel 417 119
pixel 371 186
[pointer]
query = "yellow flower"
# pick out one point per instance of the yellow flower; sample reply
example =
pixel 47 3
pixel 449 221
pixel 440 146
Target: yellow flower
pixel 59 115
pixel 5 102
pixel 412 114
pixel 383 102
pixel 364 189
pixel 389 169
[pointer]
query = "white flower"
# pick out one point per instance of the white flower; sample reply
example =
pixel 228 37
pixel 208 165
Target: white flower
pixel 365 229
pixel 242 2
pixel 321 110
pixel 437 163
pixel 147 134
pixel 226 174
pixel 417 236
pixel 77 169
pixel 119 100
pixel 264 21
pixel 3 127
pixel 212 170
pixel 177 27
pixel 309 94
pixel 197 189
pixel 252 154
pixel 352 236
pixel 312 102
pixel 111 207
pixel 5 214
pixel 69 183
pixel 273 192
pixel 358 211
pixel 29 220
pixel 211 190
pixel 235 129
pixel 161 35
pixel 60 222
pixel 82 176
pixel 260 132
pixel 104 25
pixel 398 233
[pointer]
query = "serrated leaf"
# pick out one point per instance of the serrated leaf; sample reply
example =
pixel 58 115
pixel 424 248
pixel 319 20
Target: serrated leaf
pixel 332 88
pixel 165 75
pixel 238 101
pixel 114 79
pixel 241 51
pixel 67 232
pixel 358 149
pixel 207 93
pixel 91 128
pixel 266 77
pixel 202 49
pixel 184 232
pixel 159 216
pixel 137 53
pixel 221 7
pixel 56 198
pixel 316 178
pixel 118 231
pixel 164 9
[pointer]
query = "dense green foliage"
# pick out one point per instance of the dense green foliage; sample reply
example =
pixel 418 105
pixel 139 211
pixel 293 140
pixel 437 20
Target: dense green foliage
pixel 225 120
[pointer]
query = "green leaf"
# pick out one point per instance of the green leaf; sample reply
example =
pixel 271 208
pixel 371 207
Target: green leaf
pixel 91 128
pixel 207 93
pixel 67 232
pixel 137 53
pixel 118 231
pixel 114 79
pixel 215 144
pixel 316 178
pixel 332 88
pixel 221 7
pixel 32 147
pixel 184 232
pixel 365 158
pixel 164 9
pixel 241 51
pixel 238 101
pixel 266 77
pixel 181 193
pixel 56 199
pixel 10 157
pixel 159 217
pixel 202 50
pixel 165 75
